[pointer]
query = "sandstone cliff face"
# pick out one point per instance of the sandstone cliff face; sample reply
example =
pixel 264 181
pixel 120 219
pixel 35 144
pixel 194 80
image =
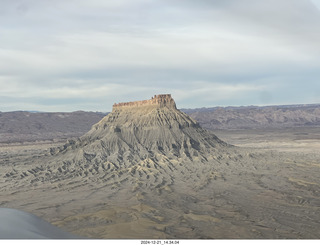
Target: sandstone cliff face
pixel 161 100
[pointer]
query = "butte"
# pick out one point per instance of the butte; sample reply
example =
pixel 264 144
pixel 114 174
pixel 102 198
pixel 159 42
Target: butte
pixel 149 133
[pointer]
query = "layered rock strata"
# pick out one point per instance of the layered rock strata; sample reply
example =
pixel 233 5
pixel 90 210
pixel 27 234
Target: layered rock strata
pixel 142 133
pixel 160 100
pixel 149 130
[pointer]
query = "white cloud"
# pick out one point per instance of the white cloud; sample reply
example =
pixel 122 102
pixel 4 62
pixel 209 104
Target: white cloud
pixel 316 3
pixel 210 93
pixel 89 50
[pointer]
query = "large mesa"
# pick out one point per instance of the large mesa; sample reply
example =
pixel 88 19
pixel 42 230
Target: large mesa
pixel 136 134
pixel 149 129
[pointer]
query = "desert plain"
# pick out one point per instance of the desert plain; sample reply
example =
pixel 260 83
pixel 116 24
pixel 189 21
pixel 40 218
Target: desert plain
pixel 263 184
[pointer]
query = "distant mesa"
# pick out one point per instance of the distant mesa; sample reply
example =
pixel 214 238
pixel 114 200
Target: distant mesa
pixel 161 100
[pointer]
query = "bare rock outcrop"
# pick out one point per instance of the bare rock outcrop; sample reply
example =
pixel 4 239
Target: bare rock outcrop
pixel 161 100
pixel 150 133
pixel 151 130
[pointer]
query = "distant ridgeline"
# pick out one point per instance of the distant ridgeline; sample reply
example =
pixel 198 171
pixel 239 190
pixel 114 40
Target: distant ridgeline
pixel 161 100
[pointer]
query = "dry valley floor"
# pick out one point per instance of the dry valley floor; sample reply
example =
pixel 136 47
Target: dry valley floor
pixel 266 187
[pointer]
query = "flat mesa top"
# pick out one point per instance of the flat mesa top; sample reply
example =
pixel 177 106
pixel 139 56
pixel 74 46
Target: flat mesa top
pixel 161 100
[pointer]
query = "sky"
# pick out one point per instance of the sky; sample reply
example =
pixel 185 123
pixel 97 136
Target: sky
pixel 69 55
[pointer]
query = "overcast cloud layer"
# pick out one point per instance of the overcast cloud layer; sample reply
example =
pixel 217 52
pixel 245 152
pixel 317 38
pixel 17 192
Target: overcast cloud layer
pixel 67 55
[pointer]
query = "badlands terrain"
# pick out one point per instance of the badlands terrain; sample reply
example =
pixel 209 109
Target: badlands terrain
pixel 148 170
